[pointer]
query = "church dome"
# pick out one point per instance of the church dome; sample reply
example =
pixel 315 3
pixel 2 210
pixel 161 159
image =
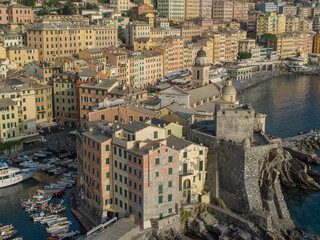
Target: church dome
pixel 201 53
pixel 229 90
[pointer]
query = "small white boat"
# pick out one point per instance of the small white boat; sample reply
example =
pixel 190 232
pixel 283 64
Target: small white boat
pixel 60 224
pixel 49 218
pixel 68 175
pixel 59 171
pixel 65 235
pixel 64 184
pixel 53 222
pixel 54 169
pixel 57 229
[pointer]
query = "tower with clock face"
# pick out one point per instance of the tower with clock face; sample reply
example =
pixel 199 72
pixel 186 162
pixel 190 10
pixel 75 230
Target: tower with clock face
pixel 200 70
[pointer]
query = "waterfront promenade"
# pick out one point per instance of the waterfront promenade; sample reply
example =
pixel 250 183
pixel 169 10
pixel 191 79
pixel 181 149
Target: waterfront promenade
pixel 257 78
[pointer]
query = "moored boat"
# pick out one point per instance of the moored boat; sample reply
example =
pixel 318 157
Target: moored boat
pixel 10 176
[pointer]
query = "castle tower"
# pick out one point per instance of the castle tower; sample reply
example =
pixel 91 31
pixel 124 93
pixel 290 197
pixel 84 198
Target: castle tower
pixel 229 93
pixel 200 70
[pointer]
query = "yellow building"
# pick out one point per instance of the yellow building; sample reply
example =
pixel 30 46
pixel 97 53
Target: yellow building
pixel 3 53
pixel 148 18
pixel 22 55
pixel 9 127
pixel 316 44
pixel 65 98
pixel 270 23
pixel 43 95
pixel 246 45
pixel 192 9
pixel 27 121
pixel 192 168
pixel 9 124
pixel 66 39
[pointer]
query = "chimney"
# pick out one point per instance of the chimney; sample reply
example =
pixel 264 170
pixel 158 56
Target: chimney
pixel 102 131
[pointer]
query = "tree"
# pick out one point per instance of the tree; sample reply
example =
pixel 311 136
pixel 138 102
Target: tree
pixel 269 36
pixel 91 6
pixel 69 8
pixel 30 3
pixel 43 12
pixel 245 55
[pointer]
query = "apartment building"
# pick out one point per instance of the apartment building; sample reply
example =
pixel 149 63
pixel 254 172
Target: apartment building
pixel 174 10
pixel 121 6
pixel 9 127
pixel 190 32
pixel 206 9
pixel 97 165
pixel 136 29
pixel 240 11
pixel 316 44
pixel 289 10
pixel 92 95
pixel 123 112
pixel 65 98
pixel 44 104
pixel 192 9
pixel 171 49
pixel 252 21
pixel 222 11
pixel 57 40
pixel 246 45
pixel 22 55
pixel 27 110
pixel 118 58
pixel 284 45
pixel 16 13
pixel 39 70
pixel 270 23
pixel 192 168
pixel 11 38
pixel 145 173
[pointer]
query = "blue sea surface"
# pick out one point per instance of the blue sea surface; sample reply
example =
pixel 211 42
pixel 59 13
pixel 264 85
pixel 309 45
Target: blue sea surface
pixel 11 212
pixel 292 104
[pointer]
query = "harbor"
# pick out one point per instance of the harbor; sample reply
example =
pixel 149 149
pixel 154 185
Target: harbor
pixel 40 203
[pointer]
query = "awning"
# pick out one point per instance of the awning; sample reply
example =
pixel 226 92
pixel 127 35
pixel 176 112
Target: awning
pixel 115 209
pixel 31 139
pixel 47 124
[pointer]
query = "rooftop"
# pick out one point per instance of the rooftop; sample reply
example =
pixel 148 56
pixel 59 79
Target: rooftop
pixel 177 143
pixel 6 89
pixel 4 102
pixel 135 127
pixel 174 91
pixel 184 112
pixel 204 92
pixel 101 84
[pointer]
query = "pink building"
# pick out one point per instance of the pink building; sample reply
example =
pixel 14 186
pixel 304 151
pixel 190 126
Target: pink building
pixel 205 24
pixel 3 14
pixel 252 21
pixel 222 11
pixel 18 13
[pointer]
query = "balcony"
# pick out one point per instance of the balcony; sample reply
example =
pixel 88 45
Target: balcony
pixel 189 172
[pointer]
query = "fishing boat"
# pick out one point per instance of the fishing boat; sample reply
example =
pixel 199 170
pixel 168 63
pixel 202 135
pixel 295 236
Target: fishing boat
pixel 55 221
pixel 62 235
pixel 59 224
pixel 58 229
pixel 49 218
pixel 7 234
pixel 59 171
pixel 54 191
pixel 10 176
pixel 6 227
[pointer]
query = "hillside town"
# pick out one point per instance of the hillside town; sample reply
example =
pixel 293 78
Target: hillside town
pixel 141 97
